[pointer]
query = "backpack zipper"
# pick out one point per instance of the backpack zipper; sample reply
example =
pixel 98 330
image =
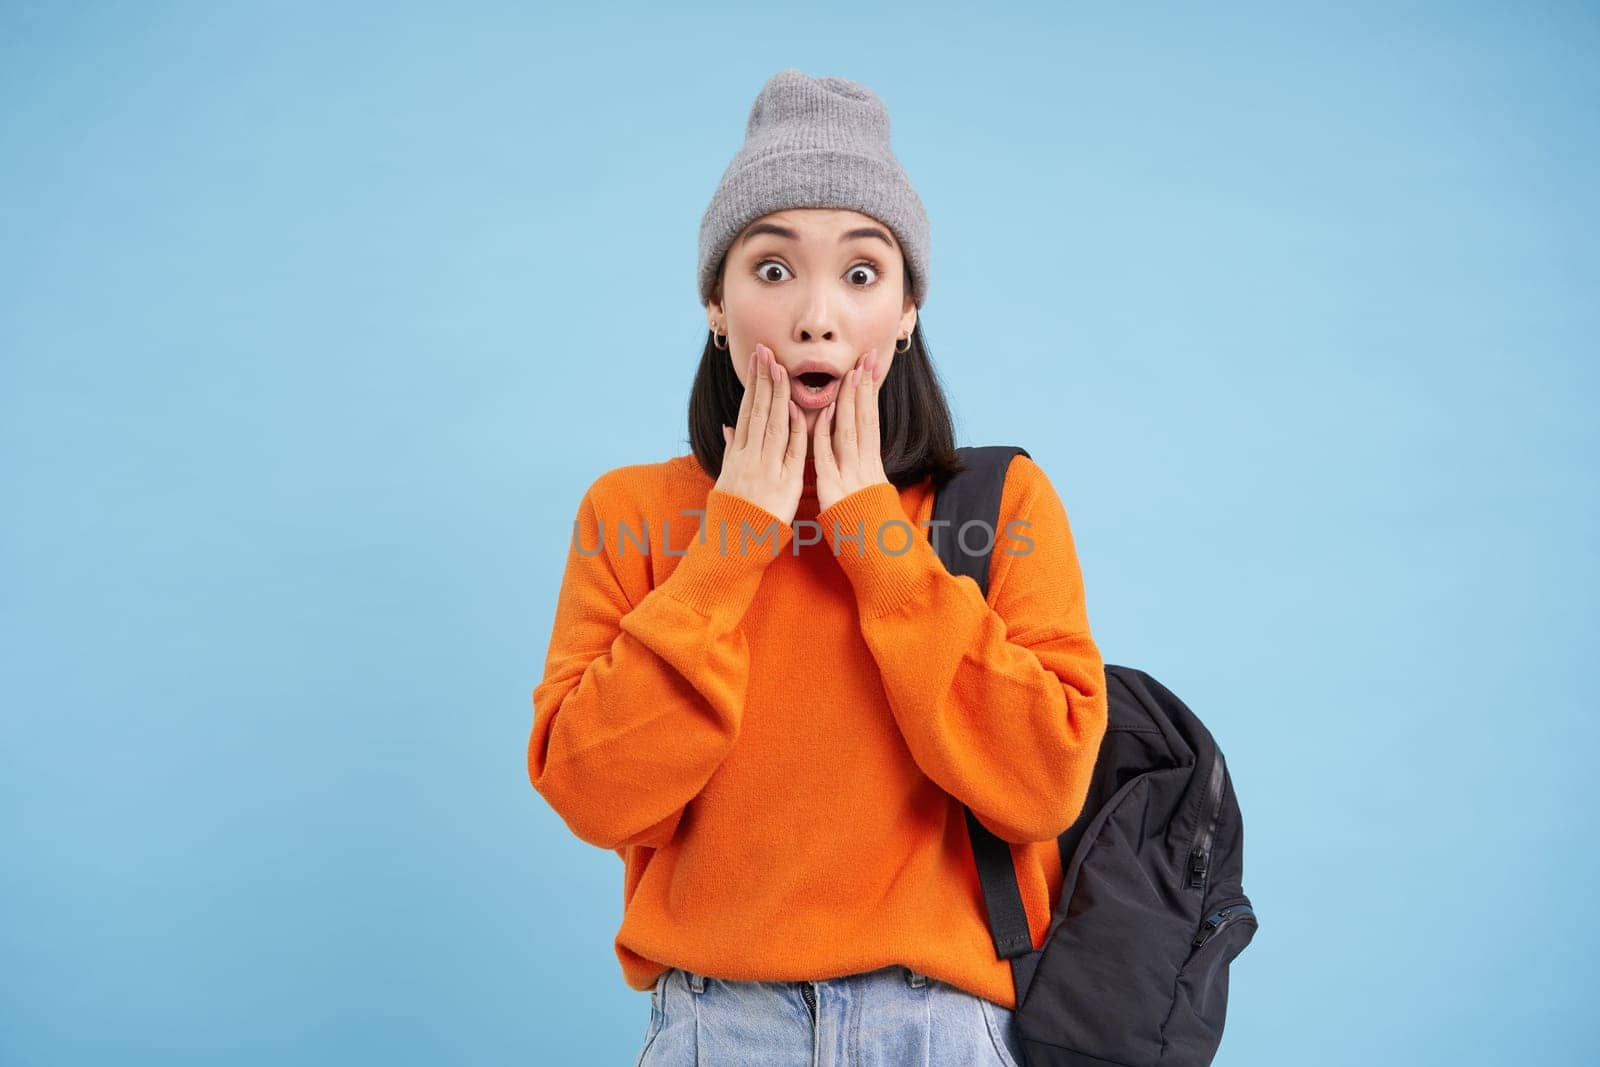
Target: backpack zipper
pixel 1218 919
pixel 1200 858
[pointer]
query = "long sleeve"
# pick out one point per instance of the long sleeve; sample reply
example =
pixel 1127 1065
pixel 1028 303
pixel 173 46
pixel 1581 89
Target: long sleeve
pixel 1001 702
pixel 644 689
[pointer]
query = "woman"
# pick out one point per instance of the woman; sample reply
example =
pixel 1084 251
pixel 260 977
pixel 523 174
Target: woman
pixel 766 693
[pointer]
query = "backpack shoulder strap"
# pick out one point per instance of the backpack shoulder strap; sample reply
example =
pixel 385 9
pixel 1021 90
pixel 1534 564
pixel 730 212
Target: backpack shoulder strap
pixel 974 494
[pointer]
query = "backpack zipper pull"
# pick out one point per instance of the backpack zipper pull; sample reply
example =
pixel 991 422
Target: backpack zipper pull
pixel 1217 920
pixel 1197 868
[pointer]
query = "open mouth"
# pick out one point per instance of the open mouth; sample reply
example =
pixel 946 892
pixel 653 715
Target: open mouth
pixel 813 390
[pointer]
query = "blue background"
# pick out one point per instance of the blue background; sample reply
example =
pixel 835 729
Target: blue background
pixel 316 322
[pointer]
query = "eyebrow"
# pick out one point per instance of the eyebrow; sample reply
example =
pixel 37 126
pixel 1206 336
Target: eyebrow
pixel 784 231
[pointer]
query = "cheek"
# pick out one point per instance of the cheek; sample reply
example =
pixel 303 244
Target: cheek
pixel 885 321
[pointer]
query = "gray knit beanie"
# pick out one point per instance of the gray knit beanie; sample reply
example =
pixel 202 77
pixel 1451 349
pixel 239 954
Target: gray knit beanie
pixel 822 143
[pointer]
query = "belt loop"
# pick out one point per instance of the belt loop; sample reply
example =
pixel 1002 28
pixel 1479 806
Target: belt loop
pixel 915 979
pixel 697 982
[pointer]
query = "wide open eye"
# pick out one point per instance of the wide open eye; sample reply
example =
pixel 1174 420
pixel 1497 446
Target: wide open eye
pixel 869 267
pixel 762 268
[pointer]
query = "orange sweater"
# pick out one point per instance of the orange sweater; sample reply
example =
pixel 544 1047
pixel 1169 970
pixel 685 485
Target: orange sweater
pixel 778 746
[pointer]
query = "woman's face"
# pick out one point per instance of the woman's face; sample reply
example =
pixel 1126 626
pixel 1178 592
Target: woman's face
pixel 818 286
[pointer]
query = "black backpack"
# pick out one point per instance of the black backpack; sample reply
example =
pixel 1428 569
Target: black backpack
pixel 1134 968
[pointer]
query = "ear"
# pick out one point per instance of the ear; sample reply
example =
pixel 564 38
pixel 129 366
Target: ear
pixel 908 319
pixel 713 313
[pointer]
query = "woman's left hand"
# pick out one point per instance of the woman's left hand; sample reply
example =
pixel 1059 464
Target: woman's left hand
pixel 847 454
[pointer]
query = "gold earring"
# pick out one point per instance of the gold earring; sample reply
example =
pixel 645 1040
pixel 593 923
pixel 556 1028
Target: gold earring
pixel 723 347
pixel 907 348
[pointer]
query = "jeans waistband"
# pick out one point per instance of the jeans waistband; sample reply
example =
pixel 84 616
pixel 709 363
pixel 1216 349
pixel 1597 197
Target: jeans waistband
pixel 914 979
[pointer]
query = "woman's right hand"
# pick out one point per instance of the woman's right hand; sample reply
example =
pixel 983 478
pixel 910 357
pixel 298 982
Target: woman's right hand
pixel 764 457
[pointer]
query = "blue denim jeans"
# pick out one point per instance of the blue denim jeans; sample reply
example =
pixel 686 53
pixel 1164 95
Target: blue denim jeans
pixel 884 1018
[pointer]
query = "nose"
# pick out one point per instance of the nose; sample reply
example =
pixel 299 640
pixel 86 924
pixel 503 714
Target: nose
pixel 816 321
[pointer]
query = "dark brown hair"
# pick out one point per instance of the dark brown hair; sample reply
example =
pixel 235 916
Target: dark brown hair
pixel 915 431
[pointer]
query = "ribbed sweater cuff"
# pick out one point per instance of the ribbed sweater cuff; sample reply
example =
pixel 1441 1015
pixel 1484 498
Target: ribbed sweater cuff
pixel 722 566
pixel 877 545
